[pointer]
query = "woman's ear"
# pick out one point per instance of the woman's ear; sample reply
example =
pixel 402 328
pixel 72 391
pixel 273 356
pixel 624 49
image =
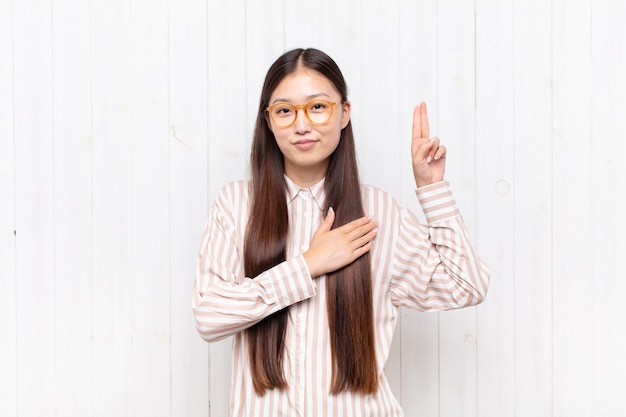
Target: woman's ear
pixel 345 113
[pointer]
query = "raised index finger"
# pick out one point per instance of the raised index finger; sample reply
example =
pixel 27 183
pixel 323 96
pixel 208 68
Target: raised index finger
pixel 421 129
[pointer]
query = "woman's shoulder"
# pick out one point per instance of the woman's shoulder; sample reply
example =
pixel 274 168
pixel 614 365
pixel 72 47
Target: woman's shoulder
pixel 377 197
pixel 233 193
pixel 234 187
pixel 368 189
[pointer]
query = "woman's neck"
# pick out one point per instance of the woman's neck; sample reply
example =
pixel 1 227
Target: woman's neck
pixel 306 178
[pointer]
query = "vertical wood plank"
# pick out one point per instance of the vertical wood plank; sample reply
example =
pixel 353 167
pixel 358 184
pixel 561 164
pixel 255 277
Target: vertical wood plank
pixel 303 24
pixel 8 282
pixel 608 203
pixel 265 42
pixel 455 114
pixel 418 81
pixel 418 332
pixel 495 210
pixel 111 288
pixel 227 153
pixel 533 207
pixel 34 182
pixel 378 96
pixel 456 117
pixel 341 35
pixel 227 146
pixel 572 228
pixel 188 200
pixel 150 211
pixel 71 68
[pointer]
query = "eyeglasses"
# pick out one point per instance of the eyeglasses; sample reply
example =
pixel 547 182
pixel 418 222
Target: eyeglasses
pixel 317 112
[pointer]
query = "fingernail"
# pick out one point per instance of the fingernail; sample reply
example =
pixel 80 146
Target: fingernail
pixel 430 158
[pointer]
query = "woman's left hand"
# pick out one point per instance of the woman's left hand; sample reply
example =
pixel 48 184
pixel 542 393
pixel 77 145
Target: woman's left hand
pixel 428 155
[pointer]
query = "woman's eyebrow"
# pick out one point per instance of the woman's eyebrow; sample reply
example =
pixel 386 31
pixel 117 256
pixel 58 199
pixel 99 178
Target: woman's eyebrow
pixel 308 98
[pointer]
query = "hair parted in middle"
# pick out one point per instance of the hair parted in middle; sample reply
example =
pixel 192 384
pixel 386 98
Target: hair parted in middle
pixel 349 289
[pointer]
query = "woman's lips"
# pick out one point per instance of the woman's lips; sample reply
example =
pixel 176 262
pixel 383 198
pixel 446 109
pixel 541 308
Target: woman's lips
pixel 304 145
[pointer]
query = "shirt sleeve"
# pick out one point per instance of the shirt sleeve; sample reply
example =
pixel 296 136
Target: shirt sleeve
pixel 226 302
pixel 435 265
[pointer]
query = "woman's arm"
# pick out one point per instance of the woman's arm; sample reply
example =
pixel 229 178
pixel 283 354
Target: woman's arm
pixel 226 302
pixel 435 266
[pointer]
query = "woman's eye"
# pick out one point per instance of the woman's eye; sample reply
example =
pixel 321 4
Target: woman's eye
pixel 283 111
pixel 317 107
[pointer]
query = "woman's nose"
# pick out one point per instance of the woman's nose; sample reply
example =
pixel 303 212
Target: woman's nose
pixel 302 124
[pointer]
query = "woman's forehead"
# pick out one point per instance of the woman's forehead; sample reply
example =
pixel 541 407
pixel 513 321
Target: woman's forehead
pixel 303 85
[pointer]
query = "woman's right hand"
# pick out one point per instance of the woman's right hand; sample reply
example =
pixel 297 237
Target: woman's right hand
pixel 332 249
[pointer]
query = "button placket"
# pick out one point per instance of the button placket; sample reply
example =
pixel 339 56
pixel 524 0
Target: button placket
pixel 299 360
pixel 307 214
pixel 305 221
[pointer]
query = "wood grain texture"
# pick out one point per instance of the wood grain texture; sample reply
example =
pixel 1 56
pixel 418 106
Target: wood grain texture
pixel 121 120
pixel 8 276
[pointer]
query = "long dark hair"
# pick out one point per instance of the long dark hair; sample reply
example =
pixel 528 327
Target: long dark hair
pixel 348 290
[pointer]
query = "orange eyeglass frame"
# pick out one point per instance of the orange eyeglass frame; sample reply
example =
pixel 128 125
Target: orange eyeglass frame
pixel 304 107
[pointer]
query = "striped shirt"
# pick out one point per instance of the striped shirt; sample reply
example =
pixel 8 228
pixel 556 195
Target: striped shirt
pixel 422 267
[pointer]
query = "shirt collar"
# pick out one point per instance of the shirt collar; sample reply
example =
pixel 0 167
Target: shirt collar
pixel 316 192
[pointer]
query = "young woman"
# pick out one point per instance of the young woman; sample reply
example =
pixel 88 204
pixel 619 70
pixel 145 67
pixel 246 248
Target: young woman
pixel 307 268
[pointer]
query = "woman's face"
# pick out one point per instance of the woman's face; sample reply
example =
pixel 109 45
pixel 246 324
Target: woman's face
pixel 307 147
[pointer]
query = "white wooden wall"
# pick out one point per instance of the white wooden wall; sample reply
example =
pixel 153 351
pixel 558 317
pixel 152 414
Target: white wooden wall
pixel 121 119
